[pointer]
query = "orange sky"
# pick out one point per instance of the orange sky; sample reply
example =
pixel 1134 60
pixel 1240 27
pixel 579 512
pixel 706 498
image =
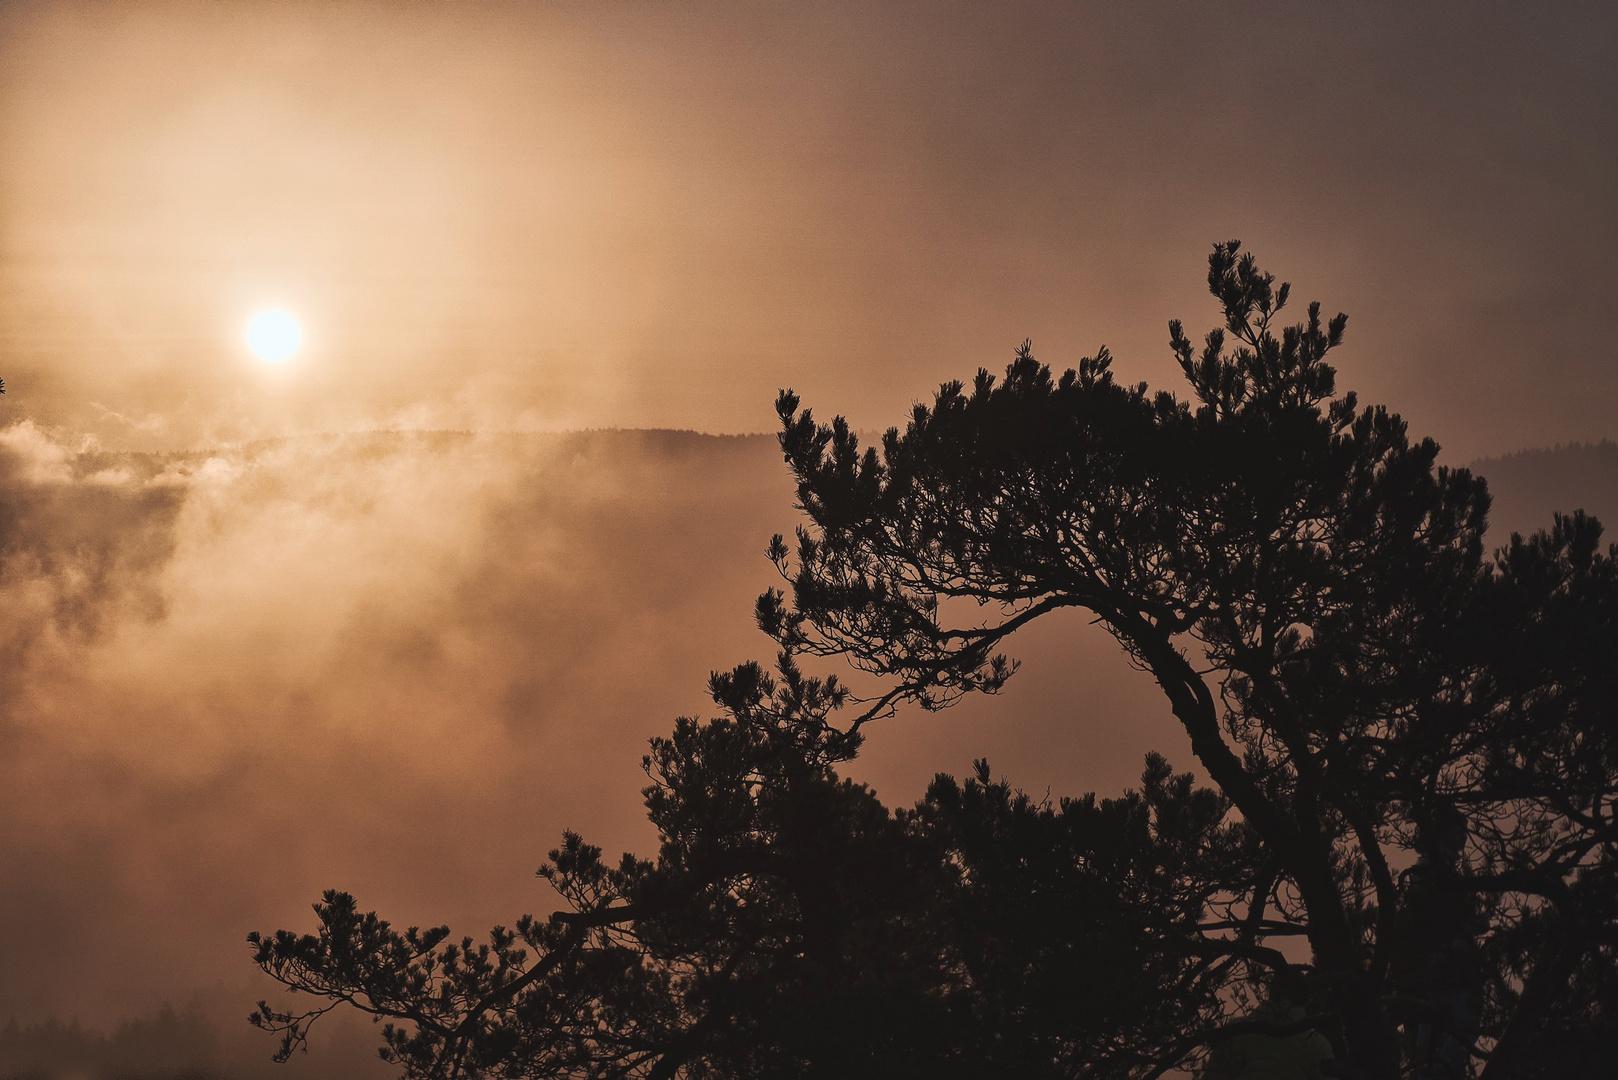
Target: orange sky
pixel 546 215
pixel 239 672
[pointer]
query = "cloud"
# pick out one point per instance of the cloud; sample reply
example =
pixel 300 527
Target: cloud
pixel 401 662
pixel 504 215
pixel 397 663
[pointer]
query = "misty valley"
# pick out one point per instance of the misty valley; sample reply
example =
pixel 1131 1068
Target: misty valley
pixel 562 540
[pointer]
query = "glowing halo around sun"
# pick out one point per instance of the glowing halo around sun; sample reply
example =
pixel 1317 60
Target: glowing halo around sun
pixel 274 335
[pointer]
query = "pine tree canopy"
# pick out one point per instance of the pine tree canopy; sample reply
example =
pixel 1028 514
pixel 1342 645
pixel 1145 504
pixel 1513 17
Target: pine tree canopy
pixel 1404 862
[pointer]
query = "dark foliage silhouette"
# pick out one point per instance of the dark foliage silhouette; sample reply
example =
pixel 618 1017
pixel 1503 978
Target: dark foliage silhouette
pixel 1405 865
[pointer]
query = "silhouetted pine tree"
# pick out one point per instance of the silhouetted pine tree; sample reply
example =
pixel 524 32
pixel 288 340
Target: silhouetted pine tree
pixel 1413 751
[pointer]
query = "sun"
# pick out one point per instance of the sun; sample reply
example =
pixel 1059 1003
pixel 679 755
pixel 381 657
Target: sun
pixel 274 335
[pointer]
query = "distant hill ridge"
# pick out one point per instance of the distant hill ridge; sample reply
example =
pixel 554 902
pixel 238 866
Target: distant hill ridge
pixel 1530 486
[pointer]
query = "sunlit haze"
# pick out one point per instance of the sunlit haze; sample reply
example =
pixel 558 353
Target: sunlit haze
pixel 386 449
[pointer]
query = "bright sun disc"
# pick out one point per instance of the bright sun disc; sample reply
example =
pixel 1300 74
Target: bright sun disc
pixel 273 335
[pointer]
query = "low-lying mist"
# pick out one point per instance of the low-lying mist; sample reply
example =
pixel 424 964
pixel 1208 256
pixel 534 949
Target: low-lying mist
pixel 400 664
pixel 395 663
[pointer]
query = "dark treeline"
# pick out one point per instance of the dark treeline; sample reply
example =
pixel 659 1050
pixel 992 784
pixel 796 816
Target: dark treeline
pixel 199 1041
pixel 169 1043
pixel 1528 486
pixel 1403 862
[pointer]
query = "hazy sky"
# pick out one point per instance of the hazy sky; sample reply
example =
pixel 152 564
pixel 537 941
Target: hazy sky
pixel 545 215
pixel 238 672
